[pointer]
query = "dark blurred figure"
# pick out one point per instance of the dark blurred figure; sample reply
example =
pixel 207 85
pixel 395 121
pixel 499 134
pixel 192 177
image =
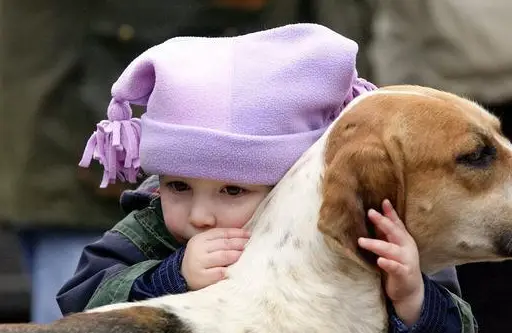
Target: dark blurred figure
pixel 463 47
pixel 59 59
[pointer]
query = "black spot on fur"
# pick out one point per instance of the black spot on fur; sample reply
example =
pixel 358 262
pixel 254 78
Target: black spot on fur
pixel 464 246
pixel 350 126
pixel 297 243
pixel 284 240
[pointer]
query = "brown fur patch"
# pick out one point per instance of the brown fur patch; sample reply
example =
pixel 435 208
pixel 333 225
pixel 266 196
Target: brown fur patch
pixel 132 320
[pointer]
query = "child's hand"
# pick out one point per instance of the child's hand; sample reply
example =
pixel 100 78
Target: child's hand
pixel 209 253
pixel 398 257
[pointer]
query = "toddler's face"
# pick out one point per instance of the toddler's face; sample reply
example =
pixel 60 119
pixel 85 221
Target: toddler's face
pixel 191 206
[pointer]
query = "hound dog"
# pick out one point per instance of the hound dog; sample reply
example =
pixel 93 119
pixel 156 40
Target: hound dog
pixel 439 158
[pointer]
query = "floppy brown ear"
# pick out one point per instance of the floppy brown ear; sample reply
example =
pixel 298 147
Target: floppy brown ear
pixel 362 169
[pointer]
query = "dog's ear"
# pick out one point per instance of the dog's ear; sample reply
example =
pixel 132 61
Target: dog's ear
pixel 362 169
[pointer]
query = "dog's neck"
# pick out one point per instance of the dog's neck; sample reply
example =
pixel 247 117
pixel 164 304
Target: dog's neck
pixel 287 279
pixel 288 267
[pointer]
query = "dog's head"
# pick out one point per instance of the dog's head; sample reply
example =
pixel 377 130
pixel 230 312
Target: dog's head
pixel 439 158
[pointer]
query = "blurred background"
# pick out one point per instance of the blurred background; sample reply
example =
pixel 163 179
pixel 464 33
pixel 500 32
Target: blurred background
pixel 59 59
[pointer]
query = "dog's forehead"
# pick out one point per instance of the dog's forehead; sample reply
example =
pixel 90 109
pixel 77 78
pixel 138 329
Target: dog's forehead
pixel 419 119
pixel 418 106
pixel 456 105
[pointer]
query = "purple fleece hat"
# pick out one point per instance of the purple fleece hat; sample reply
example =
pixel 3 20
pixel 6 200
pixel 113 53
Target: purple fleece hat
pixel 240 109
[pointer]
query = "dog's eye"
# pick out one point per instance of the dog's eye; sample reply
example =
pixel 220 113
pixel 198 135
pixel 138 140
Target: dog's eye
pixel 482 157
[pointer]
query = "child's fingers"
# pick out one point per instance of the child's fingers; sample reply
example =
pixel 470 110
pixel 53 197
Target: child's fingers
pixel 215 274
pixel 226 244
pixel 219 233
pixel 391 230
pixel 392 267
pixel 390 212
pixel 222 258
pixel 381 248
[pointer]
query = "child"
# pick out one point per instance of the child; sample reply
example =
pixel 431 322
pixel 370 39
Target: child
pixel 225 119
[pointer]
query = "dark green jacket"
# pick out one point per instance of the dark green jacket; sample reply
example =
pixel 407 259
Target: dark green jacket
pixel 146 230
pixel 108 268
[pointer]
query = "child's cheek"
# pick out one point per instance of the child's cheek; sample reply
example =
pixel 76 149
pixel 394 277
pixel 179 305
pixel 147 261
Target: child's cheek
pixel 240 217
pixel 176 229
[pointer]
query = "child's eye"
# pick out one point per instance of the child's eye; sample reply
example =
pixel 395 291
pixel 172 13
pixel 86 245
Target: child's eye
pixel 178 186
pixel 233 190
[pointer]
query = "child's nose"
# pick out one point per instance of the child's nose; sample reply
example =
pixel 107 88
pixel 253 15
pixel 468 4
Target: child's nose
pixel 202 217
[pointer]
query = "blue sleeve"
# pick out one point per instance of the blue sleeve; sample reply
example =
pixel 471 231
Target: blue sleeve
pixel 164 279
pixel 448 279
pixel 439 314
pixel 99 261
pixel 109 256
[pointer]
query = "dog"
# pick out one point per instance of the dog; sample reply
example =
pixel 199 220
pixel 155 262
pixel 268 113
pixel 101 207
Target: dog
pixel 439 158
